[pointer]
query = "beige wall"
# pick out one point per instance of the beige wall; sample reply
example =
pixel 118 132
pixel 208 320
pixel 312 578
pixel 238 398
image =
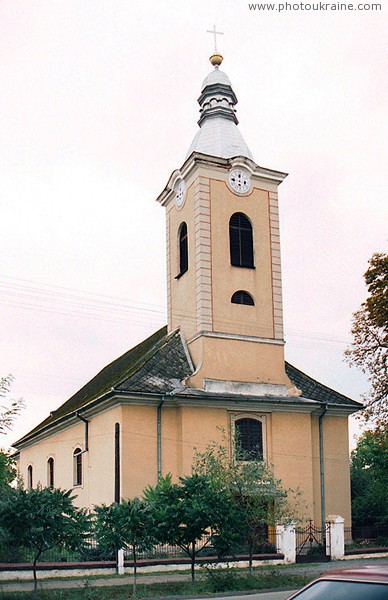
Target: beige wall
pixel 291 446
pixel 98 463
pixel 337 469
pixel 258 320
pixel 244 320
pixel 290 453
pixel 200 300
pixel 182 301
pixel 139 449
pixel 237 360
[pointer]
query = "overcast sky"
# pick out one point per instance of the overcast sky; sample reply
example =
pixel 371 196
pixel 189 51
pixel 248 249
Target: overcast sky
pixel 98 107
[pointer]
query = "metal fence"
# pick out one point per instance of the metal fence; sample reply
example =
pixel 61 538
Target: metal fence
pixel 367 536
pixel 92 552
pixel 89 551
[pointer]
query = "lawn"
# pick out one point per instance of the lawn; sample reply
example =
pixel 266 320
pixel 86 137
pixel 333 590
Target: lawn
pixel 215 581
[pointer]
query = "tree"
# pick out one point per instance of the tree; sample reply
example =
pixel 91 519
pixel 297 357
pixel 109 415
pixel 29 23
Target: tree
pixel 369 479
pixel 192 514
pixel 8 412
pixel 11 408
pixel 257 495
pixel 369 349
pixel 42 518
pixel 125 525
pixel 7 470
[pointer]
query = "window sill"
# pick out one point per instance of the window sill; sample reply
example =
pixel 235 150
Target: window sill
pixel 243 267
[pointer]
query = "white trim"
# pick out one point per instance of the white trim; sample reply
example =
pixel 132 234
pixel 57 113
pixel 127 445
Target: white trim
pixel 268 175
pixel 30 476
pixel 186 350
pixel 51 457
pixel 203 253
pixel 236 336
pixel 281 404
pixel 256 416
pixel 245 388
pixel 75 465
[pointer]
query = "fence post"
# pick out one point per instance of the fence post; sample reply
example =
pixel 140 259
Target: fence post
pixel 120 562
pixel 337 536
pixel 286 542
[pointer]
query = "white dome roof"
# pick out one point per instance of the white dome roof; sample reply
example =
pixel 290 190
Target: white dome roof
pixel 216 76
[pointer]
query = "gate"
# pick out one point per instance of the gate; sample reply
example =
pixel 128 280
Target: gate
pixel 313 544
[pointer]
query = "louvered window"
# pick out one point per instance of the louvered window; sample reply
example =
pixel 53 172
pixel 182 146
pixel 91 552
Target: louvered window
pixel 242 297
pixel 50 473
pixel 77 466
pixel 241 241
pixel 249 433
pixel 183 250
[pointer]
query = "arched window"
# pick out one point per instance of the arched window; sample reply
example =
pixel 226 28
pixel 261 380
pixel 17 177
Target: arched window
pixel 249 439
pixel 77 466
pixel 241 241
pixel 242 297
pixel 50 473
pixel 29 477
pixel 183 250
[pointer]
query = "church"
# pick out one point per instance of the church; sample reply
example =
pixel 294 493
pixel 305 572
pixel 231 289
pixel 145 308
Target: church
pixel 219 363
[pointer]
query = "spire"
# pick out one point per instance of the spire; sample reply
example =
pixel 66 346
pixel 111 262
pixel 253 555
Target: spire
pixel 218 134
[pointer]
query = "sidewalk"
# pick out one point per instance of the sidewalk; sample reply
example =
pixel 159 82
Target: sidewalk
pixel 310 569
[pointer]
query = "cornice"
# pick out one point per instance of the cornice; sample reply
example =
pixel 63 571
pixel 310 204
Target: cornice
pixel 182 399
pixel 198 159
pixel 237 337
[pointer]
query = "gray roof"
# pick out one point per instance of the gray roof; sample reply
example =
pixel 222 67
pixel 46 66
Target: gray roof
pixel 220 137
pixel 315 390
pixel 158 365
pixel 218 134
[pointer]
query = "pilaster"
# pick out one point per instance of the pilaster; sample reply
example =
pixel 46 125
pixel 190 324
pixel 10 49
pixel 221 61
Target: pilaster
pixel 276 266
pixel 203 256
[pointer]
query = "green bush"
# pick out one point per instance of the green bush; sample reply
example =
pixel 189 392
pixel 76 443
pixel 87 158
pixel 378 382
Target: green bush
pixel 221 580
pixel 316 550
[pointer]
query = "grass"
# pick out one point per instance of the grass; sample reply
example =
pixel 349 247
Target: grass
pixel 216 580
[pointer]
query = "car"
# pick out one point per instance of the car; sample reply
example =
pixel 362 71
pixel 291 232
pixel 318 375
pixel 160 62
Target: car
pixel 362 583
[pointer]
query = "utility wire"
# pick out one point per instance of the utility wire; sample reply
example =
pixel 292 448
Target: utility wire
pixel 26 294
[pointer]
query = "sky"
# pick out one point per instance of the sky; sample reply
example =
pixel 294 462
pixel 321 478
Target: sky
pixel 98 107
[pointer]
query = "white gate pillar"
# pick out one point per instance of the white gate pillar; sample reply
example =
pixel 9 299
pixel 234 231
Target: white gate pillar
pixel 286 542
pixel 120 562
pixel 337 536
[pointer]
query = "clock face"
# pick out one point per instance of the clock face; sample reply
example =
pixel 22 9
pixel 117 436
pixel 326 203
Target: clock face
pixel 180 196
pixel 239 180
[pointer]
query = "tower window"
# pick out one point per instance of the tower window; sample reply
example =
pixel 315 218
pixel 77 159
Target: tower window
pixel 29 477
pixel 183 250
pixel 50 473
pixel 249 434
pixel 241 241
pixel 242 297
pixel 77 466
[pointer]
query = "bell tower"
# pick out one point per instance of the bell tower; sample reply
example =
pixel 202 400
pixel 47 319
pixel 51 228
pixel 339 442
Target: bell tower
pixel 223 254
